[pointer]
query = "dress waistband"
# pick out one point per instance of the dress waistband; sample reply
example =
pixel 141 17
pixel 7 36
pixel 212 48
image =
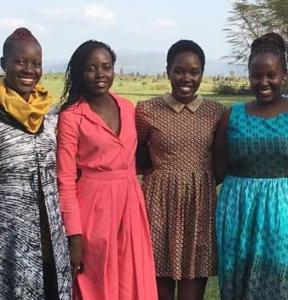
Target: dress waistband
pixel 107 175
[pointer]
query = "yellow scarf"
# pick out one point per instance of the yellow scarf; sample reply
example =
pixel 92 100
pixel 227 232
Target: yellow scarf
pixel 29 113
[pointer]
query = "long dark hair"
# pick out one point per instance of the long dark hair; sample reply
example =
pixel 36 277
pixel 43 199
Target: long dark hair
pixel 74 85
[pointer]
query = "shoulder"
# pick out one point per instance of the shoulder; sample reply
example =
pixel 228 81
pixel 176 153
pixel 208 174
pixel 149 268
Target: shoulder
pixel 215 105
pixel 72 110
pixel 237 108
pixel 213 108
pixel 123 102
pixel 150 104
pixel 71 116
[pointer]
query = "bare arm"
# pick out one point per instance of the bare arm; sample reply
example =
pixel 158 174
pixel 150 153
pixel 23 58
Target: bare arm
pixel 143 160
pixel 220 148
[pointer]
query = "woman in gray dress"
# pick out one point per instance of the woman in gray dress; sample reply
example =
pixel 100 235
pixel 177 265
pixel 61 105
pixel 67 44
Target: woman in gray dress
pixel 34 259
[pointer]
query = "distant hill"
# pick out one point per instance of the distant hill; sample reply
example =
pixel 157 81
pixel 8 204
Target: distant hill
pixel 150 63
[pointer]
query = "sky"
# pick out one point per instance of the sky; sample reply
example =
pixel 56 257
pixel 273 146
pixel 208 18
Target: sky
pixel 126 25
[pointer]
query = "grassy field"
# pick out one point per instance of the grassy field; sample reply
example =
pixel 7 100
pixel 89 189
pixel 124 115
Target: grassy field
pixel 137 89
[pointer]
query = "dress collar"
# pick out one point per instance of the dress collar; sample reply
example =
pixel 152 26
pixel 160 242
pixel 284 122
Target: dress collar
pixel 178 106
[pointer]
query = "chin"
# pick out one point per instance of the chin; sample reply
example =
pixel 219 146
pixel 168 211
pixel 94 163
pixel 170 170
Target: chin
pixel 265 101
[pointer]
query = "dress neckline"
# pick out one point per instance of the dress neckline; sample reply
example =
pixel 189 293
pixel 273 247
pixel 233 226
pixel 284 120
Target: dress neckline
pixel 260 117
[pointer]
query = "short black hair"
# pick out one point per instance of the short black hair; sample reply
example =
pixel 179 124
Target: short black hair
pixel 270 42
pixel 74 87
pixel 185 46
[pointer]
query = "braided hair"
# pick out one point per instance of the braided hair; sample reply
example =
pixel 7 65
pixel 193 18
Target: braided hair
pixel 74 84
pixel 270 43
pixel 19 35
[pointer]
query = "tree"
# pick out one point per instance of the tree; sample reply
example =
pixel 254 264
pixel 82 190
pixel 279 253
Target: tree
pixel 250 19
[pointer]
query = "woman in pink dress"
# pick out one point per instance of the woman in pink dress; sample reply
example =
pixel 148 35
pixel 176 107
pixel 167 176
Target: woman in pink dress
pixel 100 197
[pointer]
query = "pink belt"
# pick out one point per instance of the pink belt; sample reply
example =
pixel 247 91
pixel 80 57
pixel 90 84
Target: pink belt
pixel 107 175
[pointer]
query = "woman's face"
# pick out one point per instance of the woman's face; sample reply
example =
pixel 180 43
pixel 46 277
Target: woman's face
pixel 266 75
pixel 98 73
pixel 23 67
pixel 185 76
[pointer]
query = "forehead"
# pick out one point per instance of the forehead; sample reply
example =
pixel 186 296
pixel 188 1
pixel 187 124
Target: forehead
pixel 99 55
pixel 266 59
pixel 24 49
pixel 187 58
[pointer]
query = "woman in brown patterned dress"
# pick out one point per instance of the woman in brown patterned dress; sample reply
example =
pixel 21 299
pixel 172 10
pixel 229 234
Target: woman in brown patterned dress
pixel 176 134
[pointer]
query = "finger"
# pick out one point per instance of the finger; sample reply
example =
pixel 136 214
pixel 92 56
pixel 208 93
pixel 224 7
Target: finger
pixel 75 269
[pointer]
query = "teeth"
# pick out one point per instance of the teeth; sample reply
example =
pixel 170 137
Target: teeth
pixel 185 88
pixel 265 92
pixel 101 83
pixel 26 80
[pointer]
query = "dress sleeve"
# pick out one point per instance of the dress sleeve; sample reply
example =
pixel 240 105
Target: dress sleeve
pixel 67 148
pixel 143 160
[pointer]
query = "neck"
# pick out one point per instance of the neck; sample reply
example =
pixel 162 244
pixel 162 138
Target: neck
pixel 276 102
pixel 101 100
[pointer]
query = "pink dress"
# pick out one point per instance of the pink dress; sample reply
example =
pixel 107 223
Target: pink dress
pixel 105 204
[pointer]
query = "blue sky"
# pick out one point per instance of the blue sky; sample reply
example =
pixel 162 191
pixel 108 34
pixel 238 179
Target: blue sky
pixel 62 25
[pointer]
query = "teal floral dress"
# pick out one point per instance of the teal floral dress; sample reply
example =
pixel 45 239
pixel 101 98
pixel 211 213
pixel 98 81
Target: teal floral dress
pixel 252 210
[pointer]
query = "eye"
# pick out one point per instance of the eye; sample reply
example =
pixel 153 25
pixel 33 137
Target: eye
pixel 272 76
pixel 89 69
pixel 178 71
pixel 107 67
pixel 255 76
pixel 37 64
pixel 20 62
pixel 195 72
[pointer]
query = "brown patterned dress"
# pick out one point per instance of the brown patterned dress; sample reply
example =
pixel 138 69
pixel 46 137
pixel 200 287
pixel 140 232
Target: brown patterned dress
pixel 180 192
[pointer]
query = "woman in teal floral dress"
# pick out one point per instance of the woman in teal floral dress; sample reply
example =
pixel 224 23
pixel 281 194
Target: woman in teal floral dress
pixel 251 154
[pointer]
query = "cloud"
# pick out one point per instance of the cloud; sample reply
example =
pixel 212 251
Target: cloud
pixel 63 13
pixel 99 12
pixel 165 23
pixel 40 28
pixel 12 23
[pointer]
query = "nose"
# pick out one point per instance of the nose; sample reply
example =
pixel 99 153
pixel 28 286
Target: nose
pixel 99 73
pixel 187 76
pixel 263 81
pixel 28 69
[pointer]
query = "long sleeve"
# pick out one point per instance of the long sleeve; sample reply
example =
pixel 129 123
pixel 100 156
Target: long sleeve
pixel 68 135
pixel 143 160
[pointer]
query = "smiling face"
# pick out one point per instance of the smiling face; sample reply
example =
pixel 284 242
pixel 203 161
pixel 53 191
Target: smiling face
pixel 185 76
pixel 23 67
pixel 98 73
pixel 266 75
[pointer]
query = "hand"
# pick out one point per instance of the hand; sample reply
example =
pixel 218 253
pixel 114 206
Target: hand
pixel 77 266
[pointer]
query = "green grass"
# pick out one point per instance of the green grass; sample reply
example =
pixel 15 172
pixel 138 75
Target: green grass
pixel 212 292
pixel 136 89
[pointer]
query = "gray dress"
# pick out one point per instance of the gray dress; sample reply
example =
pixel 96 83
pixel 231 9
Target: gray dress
pixel 27 185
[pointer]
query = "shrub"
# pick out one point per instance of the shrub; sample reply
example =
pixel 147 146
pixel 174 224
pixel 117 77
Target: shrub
pixel 229 87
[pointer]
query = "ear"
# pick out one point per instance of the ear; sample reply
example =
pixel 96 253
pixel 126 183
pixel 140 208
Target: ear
pixel 168 71
pixel 284 76
pixel 3 63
